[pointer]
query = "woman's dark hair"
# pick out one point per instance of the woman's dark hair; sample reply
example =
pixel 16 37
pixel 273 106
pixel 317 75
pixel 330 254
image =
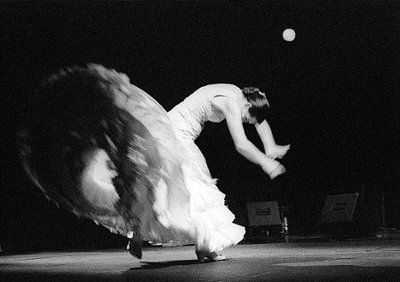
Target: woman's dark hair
pixel 259 103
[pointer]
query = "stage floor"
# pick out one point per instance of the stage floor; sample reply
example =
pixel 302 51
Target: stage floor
pixel 355 260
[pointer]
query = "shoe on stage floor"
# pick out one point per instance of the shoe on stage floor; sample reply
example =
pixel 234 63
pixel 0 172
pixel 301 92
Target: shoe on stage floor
pixel 213 256
pixel 135 246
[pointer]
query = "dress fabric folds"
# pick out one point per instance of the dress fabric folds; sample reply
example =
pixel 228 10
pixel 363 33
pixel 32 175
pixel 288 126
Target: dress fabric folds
pixel 212 220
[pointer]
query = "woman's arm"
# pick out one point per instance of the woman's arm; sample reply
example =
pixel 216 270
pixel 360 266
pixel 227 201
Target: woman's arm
pixel 246 148
pixel 271 149
pixel 265 133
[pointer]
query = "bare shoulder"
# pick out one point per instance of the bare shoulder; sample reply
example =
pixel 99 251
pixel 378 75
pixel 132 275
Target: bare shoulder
pixel 226 103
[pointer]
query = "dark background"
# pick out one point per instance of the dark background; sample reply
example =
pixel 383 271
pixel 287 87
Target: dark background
pixel 335 99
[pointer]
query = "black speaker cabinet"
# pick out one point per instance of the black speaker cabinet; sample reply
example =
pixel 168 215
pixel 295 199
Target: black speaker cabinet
pixel 263 213
pixel 339 208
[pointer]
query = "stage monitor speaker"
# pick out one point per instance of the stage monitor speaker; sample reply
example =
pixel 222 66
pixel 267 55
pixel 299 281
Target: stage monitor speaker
pixel 263 213
pixel 339 208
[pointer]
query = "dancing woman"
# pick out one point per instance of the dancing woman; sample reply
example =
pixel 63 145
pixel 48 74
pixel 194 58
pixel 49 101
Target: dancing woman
pixel 104 149
pixel 214 103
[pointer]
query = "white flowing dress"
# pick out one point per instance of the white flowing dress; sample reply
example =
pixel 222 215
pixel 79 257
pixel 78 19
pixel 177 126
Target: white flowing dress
pixel 119 135
pixel 212 220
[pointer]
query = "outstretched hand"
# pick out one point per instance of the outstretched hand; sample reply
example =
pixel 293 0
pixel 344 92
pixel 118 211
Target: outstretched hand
pixel 277 171
pixel 273 168
pixel 277 152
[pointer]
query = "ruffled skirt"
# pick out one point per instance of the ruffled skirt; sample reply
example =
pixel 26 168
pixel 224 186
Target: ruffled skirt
pixel 212 221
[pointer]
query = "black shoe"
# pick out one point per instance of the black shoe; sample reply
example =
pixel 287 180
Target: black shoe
pixel 135 246
pixel 213 256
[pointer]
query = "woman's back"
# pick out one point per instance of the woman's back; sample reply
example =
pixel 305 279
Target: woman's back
pixel 192 113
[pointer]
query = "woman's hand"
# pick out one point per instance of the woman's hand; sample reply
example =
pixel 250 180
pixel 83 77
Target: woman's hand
pixel 277 151
pixel 278 171
pixel 273 168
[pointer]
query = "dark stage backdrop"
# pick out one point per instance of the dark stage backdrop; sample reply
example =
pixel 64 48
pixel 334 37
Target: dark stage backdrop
pixel 335 98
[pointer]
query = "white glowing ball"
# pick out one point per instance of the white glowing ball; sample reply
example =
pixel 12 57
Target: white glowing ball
pixel 289 34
